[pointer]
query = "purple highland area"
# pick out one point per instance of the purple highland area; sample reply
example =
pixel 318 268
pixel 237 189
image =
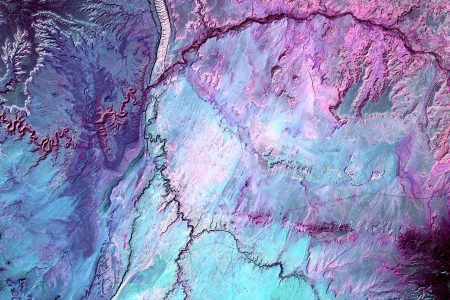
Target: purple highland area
pixel 224 149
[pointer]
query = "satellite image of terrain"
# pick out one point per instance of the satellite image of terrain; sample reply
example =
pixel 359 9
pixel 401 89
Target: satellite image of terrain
pixel 224 149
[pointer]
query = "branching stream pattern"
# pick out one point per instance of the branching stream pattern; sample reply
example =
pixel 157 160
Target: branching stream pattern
pixel 173 149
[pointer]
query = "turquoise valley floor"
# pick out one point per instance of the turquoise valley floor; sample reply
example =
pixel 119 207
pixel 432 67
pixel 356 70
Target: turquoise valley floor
pixel 224 149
